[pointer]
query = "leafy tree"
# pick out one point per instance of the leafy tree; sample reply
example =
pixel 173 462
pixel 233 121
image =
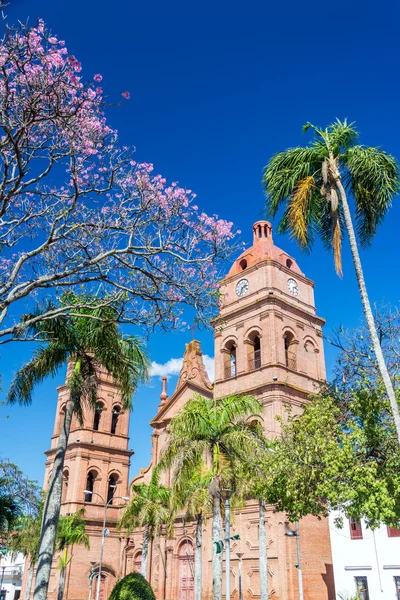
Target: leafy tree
pixel 77 211
pixel 217 433
pixel 132 587
pixel 9 512
pixel 313 183
pixel 150 508
pixel 71 531
pixel 341 453
pixel 86 339
pixel 25 539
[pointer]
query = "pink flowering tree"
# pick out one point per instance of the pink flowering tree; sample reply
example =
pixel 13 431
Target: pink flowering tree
pixel 76 210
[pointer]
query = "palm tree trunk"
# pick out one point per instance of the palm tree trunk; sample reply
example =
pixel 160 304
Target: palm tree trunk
pixel 368 312
pixel 29 581
pixel 216 558
pixel 145 552
pixel 61 585
pixel 198 565
pixel 263 554
pixel 51 511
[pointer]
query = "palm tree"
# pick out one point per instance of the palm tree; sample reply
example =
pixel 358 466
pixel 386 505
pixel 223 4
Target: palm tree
pixel 217 433
pixel 71 531
pixel 25 540
pixel 313 183
pixel 86 339
pixel 149 508
pixel 193 495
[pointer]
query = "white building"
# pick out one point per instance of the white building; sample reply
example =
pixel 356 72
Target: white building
pixel 365 560
pixel 11 577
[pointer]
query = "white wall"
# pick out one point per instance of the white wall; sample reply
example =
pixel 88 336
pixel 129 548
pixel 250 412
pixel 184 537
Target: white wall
pixel 11 575
pixel 376 556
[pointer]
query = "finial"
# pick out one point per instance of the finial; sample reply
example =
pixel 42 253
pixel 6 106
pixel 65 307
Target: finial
pixel 163 395
pixel 262 230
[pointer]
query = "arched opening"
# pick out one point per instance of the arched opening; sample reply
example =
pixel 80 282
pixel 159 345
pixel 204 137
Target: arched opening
pixel 290 351
pixel 97 415
pixel 186 571
pixel 289 263
pixel 112 486
pixel 65 485
pixel 253 351
pixel 114 420
pixel 311 359
pixel 137 562
pixel 230 369
pixel 90 481
pixel 243 264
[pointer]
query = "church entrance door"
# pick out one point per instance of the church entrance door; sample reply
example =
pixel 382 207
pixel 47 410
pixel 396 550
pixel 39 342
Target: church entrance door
pixel 186 572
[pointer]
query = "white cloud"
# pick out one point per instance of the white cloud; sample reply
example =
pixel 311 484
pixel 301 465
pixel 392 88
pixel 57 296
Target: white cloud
pixel 173 367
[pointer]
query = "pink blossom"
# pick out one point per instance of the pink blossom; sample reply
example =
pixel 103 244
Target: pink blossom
pixel 52 40
pixel 98 77
pixel 126 95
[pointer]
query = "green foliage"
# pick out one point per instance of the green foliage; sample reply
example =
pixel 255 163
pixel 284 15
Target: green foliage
pixel 25 538
pixel 341 453
pixel 72 531
pixel 91 338
pixel 370 175
pixel 132 587
pixel 149 507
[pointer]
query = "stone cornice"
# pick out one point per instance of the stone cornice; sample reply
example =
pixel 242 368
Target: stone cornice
pixel 266 262
pixel 91 447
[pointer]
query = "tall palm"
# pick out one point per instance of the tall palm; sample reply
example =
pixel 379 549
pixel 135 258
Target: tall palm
pixel 86 340
pixel 312 183
pixel 71 531
pixel 193 496
pixel 219 434
pixel 150 508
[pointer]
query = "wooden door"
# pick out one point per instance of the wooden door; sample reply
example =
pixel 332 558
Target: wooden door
pixel 186 572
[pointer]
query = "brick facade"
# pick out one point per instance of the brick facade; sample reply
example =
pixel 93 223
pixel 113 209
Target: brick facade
pixel 268 342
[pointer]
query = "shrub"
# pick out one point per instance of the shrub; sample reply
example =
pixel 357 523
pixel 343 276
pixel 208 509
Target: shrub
pixel 132 587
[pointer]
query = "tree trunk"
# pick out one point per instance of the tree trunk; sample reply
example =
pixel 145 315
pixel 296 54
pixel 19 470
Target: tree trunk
pixel 263 553
pixel 198 565
pixel 216 558
pixel 51 511
pixel 368 312
pixel 29 581
pixel 61 585
pixel 145 552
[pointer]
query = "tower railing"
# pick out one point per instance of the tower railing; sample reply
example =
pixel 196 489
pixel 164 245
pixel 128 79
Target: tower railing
pixel 254 361
pixel 291 362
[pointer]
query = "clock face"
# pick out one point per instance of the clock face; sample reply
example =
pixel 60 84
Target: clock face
pixel 241 287
pixel 293 287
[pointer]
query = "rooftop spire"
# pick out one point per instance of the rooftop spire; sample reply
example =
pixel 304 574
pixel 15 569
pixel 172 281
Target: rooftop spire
pixel 163 395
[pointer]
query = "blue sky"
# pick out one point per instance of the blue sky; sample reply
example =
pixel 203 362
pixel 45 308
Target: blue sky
pixel 216 88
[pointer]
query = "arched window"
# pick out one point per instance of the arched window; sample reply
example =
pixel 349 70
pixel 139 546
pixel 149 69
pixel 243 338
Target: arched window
pixel 243 264
pixel 290 351
pixel 91 478
pixel 112 486
pixel 230 360
pixel 115 416
pixel 65 485
pixel 253 351
pixel 289 263
pixel 97 415
pixel 312 359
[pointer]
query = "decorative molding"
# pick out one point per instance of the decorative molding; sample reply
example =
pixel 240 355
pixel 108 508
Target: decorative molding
pixel 193 368
pixel 359 568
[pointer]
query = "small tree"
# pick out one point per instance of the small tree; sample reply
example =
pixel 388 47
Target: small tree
pixel 71 531
pixel 132 587
pixel 314 182
pixel 76 209
pixel 87 340
pixel 25 539
pixel 149 508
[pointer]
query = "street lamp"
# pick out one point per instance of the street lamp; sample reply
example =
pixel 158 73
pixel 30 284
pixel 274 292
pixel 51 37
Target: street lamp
pixel 290 533
pixel 226 494
pixel 240 556
pixel 105 531
pixel 91 577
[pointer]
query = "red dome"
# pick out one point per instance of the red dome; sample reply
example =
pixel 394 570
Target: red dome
pixel 263 249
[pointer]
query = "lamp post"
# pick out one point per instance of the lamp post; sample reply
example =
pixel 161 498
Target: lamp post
pixel 240 556
pixel 104 533
pixel 91 577
pixel 290 533
pixel 226 494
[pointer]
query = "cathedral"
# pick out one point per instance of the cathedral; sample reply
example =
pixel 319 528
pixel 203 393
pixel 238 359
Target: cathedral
pixel 268 342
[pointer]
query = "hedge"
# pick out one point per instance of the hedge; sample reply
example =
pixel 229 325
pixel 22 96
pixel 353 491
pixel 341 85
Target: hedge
pixel 132 587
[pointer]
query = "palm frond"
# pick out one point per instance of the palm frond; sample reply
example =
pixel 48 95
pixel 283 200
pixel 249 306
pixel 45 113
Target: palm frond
pixel 299 210
pixel 373 178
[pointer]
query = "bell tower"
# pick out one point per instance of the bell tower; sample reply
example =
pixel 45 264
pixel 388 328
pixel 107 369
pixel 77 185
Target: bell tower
pixel 97 460
pixel 268 337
